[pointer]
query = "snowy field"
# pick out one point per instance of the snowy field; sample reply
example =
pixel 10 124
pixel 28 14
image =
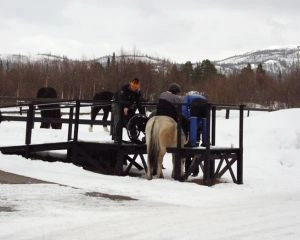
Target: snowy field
pixel 81 206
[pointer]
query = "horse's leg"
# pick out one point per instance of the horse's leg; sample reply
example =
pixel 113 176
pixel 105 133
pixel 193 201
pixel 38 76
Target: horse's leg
pixel 160 165
pixel 44 114
pixel 149 169
pixel 94 112
pixel 104 118
pixel 56 114
pixel 182 164
pixel 91 124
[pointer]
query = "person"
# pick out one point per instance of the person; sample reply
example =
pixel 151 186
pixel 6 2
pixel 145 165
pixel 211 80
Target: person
pixel 194 108
pixel 167 105
pixel 193 98
pixel 127 100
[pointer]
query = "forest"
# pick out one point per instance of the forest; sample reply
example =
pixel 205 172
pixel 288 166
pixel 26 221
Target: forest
pixel 81 79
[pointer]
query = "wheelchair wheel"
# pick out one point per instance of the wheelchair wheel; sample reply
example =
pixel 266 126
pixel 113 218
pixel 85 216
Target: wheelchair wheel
pixel 135 126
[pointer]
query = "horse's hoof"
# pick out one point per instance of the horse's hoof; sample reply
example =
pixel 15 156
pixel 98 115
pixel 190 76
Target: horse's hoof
pixel 181 179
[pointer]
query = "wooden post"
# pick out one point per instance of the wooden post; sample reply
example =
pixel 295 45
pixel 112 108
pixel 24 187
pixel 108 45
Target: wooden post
pixel 209 166
pixel 119 134
pixel 177 163
pixel 213 126
pixel 227 113
pixel 75 147
pixel 76 127
pixel 70 126
pixel 112 119
pixel 120 124
pixel 240 157
pixel 119 163
pixel 29 124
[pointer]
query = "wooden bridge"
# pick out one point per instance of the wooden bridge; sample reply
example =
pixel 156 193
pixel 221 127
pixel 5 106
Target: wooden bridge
pixel 213 161
pixel 109 157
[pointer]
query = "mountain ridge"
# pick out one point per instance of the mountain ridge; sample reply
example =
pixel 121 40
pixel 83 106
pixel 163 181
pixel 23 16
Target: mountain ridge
pixel 274 61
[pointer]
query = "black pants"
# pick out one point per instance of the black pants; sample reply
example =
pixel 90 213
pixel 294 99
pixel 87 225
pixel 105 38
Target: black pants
pixel 119 121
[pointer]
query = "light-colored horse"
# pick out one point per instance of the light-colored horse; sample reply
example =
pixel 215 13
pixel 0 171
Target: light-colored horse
pixel 161 133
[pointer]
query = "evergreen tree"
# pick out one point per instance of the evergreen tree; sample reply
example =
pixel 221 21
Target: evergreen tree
pixel 113 60
pixel 187 70
pixel 175 75
pixel 247 70
pixel 208 70
pixel 260 74
pixel 108 64
pixel 246 88
pixel 260 70
pixel 197 73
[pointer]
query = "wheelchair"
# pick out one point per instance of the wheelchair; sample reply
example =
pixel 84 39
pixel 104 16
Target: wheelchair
pixel 136 127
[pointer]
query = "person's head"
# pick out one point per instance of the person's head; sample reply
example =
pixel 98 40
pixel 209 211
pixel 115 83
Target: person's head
pixel 134 84
pixel 174 88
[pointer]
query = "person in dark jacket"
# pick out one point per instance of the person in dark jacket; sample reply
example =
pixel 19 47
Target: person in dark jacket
pixel 168 103
pixel 127 100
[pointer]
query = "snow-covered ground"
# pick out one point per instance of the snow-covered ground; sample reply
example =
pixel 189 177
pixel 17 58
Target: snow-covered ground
pixel 266 206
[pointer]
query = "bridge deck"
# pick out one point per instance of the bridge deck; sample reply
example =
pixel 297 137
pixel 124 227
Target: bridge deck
pixel 208 157
pixel 107 158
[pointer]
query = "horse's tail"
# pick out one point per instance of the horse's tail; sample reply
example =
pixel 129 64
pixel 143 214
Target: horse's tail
pixel 153 151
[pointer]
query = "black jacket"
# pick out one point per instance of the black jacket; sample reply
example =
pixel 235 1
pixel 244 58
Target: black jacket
pixel 130 99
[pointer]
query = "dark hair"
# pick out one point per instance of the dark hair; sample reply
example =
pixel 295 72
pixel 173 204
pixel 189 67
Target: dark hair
pixel 174 88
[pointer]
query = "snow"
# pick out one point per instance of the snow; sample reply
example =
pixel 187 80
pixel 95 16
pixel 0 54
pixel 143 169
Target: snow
pixel 266 206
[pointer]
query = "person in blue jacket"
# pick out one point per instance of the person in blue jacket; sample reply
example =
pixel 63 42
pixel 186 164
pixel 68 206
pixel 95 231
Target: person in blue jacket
pixel 187 102
pixel 194 105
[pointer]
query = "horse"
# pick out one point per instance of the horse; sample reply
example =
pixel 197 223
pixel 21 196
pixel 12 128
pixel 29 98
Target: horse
pixel 101 96
pixel 49 110
pixel 161 133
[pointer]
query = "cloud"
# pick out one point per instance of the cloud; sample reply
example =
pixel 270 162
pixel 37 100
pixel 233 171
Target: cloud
pixel 34 12
pixel 180 30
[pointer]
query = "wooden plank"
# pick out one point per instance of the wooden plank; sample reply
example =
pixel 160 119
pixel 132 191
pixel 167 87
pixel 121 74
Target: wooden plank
pixel 188 151
pixel 36 147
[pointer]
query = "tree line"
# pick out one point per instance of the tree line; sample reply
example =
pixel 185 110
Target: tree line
pixel 80 79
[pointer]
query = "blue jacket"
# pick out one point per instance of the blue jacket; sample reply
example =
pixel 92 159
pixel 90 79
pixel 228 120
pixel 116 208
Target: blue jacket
pixel 186 107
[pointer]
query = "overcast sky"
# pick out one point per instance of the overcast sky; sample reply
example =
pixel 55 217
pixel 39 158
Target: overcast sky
pixel 179 30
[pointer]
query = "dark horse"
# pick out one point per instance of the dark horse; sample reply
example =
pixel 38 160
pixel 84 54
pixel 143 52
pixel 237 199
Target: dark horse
pixel 104 96
pixel 49 110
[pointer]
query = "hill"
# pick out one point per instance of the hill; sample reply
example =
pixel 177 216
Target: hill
pixel 274 61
